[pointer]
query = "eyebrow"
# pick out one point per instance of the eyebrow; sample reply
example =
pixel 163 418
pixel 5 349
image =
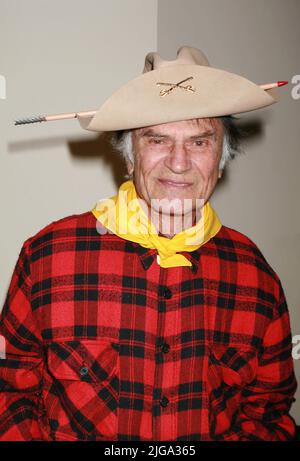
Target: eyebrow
pixel 152 133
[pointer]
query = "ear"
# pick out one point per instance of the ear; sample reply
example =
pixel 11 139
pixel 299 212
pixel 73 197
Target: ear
pixel 220 174
pixel 129 167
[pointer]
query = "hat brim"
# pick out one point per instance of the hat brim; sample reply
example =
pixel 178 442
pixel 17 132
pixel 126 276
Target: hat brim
pixel 217 93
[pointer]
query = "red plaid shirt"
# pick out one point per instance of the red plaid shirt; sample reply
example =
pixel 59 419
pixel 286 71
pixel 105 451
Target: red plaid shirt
pixel 104 344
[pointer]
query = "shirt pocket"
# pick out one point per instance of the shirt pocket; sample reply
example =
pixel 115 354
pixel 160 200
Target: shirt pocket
pixel 85 394
pixel 230 370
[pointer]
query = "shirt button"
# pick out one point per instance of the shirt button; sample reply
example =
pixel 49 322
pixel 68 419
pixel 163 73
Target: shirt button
pixel 83 371
pixel 164 401
pixel 167 293
pixel 165 348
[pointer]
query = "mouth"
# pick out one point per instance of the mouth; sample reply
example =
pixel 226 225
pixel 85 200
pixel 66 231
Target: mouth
pixel 170 183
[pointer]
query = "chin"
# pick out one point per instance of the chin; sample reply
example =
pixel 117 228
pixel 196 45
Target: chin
pixel 172 206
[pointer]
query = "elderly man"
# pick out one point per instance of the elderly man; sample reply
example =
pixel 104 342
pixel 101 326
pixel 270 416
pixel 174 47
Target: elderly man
pixel 146 318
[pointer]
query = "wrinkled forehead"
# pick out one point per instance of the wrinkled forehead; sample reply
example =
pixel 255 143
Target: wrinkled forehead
pixel 193 125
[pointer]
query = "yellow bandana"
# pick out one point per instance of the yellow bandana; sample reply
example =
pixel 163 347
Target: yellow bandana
pixel 124 216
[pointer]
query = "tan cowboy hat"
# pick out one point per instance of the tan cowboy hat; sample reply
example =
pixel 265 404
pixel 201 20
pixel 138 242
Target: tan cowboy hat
pixel 169 91
pixel 183 89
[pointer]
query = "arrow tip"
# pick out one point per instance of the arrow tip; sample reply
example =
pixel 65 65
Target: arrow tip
pixel 282 82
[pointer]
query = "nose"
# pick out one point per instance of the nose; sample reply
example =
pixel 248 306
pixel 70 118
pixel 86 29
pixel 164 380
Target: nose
pixel 178 160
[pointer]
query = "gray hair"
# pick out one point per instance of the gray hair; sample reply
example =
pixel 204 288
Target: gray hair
pixel 122 142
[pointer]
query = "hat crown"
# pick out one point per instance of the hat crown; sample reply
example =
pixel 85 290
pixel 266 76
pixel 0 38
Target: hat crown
pixel 185 55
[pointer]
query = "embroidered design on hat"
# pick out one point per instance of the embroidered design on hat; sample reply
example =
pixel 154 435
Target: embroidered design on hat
pixel 176 85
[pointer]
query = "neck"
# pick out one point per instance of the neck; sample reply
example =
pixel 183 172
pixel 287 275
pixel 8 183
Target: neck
pixel 169 225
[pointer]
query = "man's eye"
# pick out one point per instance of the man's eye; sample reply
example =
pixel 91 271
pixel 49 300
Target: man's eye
pixel 199 143
pixel 156 141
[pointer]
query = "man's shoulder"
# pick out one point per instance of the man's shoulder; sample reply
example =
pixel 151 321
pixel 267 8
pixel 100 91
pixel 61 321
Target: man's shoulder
pixel 236 242
pixel 67 226
pixel 233 236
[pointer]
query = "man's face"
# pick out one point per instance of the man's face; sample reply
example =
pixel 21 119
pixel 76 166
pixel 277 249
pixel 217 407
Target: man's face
pixel 177 160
